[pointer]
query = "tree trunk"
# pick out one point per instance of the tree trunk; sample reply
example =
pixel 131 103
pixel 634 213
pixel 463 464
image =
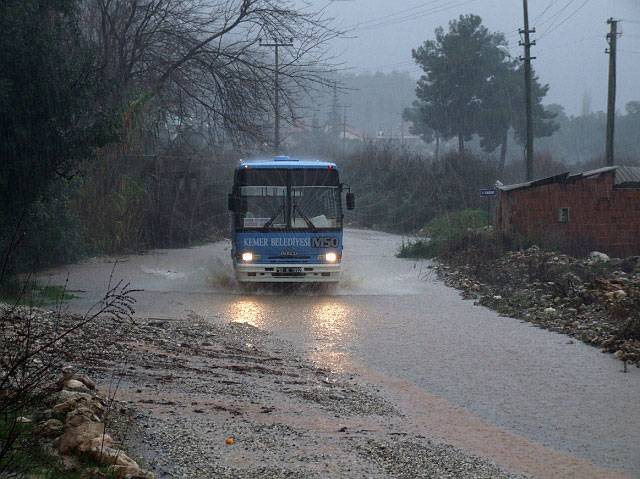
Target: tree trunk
pixel 460 144
pixel 503 150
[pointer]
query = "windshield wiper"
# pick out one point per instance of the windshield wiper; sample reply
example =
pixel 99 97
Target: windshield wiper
pixel 304 217
pixel 272 219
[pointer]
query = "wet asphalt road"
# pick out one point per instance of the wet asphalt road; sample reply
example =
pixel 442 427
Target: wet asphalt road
pixel 394 317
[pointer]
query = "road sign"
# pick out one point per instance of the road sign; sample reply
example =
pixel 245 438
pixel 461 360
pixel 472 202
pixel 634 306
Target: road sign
pixel 488 192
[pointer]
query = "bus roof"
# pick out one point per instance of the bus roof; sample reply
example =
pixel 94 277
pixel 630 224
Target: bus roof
pixel 285 162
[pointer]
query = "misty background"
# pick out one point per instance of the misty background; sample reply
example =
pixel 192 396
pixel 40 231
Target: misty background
pixel 122 127
pixel 570 40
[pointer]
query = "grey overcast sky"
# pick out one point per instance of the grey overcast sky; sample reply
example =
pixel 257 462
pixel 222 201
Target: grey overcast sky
pixel 570 39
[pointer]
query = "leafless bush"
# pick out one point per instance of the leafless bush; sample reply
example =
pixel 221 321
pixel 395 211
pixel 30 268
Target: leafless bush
pixel 34 344
pixel 200 62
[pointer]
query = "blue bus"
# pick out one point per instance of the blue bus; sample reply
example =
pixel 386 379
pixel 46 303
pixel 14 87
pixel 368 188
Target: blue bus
pixel 287 220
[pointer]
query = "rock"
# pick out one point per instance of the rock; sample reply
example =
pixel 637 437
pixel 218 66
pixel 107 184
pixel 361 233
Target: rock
pixel 67 373
pixel 23 420
pixel 71 403
pixel 99 442
pixel 111 457
pixel 620 294
pixel 75 385
pixel 620 354
pixel 130 472
pixel 76 435
pixel 549 310
pixel 497 297
pixel 87 381
pixel 51 428
pixel 65 395
pixel 596 256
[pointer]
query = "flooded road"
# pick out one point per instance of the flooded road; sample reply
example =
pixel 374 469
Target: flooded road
pixel 395 324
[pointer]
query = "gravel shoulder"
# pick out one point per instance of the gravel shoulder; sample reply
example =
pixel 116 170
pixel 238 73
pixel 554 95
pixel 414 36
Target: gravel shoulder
pixel 233 401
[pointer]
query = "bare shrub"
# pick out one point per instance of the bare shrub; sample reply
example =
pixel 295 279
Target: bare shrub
pixel 34 345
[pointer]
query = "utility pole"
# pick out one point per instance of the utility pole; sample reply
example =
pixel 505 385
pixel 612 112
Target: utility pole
pixel 276 98
pixel 344 132
pixel 612 38
pixel 527 44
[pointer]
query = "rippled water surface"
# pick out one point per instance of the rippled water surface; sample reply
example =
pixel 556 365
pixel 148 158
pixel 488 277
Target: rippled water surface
pixel 395 317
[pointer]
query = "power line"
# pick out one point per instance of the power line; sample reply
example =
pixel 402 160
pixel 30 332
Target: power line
pixel 554 17
pixel 417 16
pixel 569 44
pixel 555 26
pixel 546 9
pixel 391 15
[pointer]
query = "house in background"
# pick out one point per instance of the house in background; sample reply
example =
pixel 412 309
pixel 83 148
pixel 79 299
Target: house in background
pixel 577 212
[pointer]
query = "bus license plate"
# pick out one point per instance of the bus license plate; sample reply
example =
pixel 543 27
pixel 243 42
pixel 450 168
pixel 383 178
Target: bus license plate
pixel 288 270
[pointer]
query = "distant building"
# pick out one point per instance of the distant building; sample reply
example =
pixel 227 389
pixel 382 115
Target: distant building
pixel 579 212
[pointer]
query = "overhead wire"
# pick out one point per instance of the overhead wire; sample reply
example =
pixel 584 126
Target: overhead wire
pixel 553 27
pixel 391 15
pixel 403 19
pixel 542 14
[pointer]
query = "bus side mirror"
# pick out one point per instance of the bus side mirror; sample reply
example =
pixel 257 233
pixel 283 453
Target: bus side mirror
pixel 351 201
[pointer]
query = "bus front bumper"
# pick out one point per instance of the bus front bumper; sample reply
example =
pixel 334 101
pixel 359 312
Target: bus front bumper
pixel 287 273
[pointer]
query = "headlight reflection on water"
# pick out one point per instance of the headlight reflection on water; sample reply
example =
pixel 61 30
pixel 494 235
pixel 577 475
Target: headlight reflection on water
pixel 330 323
pixel 323 325
pixel 248 311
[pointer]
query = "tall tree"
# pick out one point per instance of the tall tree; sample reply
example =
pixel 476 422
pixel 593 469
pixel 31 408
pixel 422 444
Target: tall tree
pixel 457 66
pixel 503 109
pixel 47 91
pixel 543 124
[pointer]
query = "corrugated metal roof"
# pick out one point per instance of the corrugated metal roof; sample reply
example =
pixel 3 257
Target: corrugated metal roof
pixel 625 177
pixel 628 177
pixel 542 181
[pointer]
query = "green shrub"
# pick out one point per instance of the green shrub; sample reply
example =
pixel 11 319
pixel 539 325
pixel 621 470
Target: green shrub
pixel 420 249
pixel 451 234
pixel 455 224
pixel 48 234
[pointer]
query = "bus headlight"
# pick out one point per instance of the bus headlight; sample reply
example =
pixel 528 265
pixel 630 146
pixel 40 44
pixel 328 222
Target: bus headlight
pixel 247 257
pixel 331 257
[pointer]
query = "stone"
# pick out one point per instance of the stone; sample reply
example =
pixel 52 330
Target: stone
pixel 50 428
pixel 64 395
pixel 87 381
pixel 596 257
pixel 110 456
pixel 75 385
pixel 67 373
pixel 620 294
pixel 130 472
pixel 74 436
pixel 23 420
pixel 99 442
pixel 549 310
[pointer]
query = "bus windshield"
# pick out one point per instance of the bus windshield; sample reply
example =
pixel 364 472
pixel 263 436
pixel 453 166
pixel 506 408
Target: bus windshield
pixel 289 199
pixel 314 207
